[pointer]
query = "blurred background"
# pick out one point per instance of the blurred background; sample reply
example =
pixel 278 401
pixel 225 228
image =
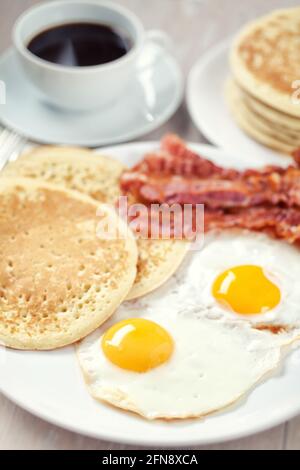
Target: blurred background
pixel 193 25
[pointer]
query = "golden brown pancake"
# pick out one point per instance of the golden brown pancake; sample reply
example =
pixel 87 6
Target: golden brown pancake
pixel 58 280
pixel 98 176
pixel 157 261
pixel 280 120
pixel 253 124
pixel 73 168
pixel 265 59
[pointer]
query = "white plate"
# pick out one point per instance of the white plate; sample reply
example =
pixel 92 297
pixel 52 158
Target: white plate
pixel 50 385
pixel 149 101
pixel 210 113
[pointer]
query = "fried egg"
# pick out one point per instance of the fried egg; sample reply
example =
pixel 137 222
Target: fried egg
pixel 239 276
pixel 246 276
pixel 170 366
pixel 203 339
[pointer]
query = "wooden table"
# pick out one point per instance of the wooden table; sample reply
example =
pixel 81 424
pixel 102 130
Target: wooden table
pixel 194 25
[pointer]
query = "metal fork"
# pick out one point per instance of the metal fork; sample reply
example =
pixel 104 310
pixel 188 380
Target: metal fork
pixel 11 145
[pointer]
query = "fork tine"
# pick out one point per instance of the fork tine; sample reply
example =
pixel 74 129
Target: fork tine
pixel 9 145
pixel 5 142
pixel 11 139
pixel 3 137
pixel 18 150
pixel 4 132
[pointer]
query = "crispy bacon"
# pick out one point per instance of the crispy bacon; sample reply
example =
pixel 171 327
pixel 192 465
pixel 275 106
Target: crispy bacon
pixel 174 158
pixel 194 164
pixel 279 222
pixel 267 199
pixel 184 177
pixel 282 223
pixel 274 188
pixel 245 191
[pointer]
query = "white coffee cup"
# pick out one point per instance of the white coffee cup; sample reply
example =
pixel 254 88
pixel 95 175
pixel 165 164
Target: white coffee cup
pixel 80 88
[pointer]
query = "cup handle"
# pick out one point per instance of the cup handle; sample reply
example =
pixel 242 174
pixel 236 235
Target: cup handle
pixel 159 38
pixel 150 55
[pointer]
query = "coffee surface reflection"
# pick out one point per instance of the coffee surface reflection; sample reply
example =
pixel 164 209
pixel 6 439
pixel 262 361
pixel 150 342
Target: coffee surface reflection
pixel 80 44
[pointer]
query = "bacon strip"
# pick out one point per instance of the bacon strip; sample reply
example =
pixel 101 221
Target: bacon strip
pixel 185 178
pixel 263 200
pixel 279 222
pixel 244 191
pixel 174 158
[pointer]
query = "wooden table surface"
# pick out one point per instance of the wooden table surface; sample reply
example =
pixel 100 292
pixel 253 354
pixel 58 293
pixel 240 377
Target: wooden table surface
pixel 194 25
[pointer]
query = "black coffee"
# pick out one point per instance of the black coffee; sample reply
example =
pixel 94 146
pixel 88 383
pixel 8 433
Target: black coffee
pixel 80 44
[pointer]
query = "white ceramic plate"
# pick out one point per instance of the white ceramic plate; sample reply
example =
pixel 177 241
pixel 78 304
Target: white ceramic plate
pixel 49 384
pixel 149 101
pixel 210 113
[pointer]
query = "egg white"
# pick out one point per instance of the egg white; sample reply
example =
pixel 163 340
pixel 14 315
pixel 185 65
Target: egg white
pixel 191 285
pixel 219 355
pixel 279 260
pixel 214 363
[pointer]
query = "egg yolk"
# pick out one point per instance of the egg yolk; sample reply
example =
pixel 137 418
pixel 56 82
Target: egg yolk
pixel 137 344
pixel 246 290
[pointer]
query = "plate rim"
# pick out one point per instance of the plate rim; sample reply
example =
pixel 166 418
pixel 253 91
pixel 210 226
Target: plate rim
pixel 196 69
pixel 291 409
pixel 162 119
pixel 120 437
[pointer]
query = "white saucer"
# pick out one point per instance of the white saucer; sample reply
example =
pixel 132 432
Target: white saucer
pixel 150 100
pixel 210 113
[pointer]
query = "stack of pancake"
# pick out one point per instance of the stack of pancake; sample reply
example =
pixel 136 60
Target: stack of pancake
pixel 60 276
pixel 263 94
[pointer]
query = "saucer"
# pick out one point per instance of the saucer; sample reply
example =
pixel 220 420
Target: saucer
pixel 150 100
pixel 211 115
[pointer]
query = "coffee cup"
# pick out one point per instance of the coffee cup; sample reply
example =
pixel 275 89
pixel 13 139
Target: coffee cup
pixel 81 87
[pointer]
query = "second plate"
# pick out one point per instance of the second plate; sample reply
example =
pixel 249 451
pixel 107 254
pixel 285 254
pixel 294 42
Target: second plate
pixel 210 113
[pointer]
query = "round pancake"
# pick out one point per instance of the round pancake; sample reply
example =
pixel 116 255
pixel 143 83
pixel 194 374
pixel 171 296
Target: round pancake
pixel 98 176
pixel 265 59
pixel 73 168
pixel 250 124
pixel 59 277
pixel 53 150
pixel 279 119
pixel 282 134
pixel 157 261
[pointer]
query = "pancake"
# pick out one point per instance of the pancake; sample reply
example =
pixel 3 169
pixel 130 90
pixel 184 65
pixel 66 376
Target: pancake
pixel 59 280
pixel 280 120
pixel 282 134
pixel 251 124
pixel 73 168
pixel 157 261
pixel 98 177
pixel 54 150
pixel 265 59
